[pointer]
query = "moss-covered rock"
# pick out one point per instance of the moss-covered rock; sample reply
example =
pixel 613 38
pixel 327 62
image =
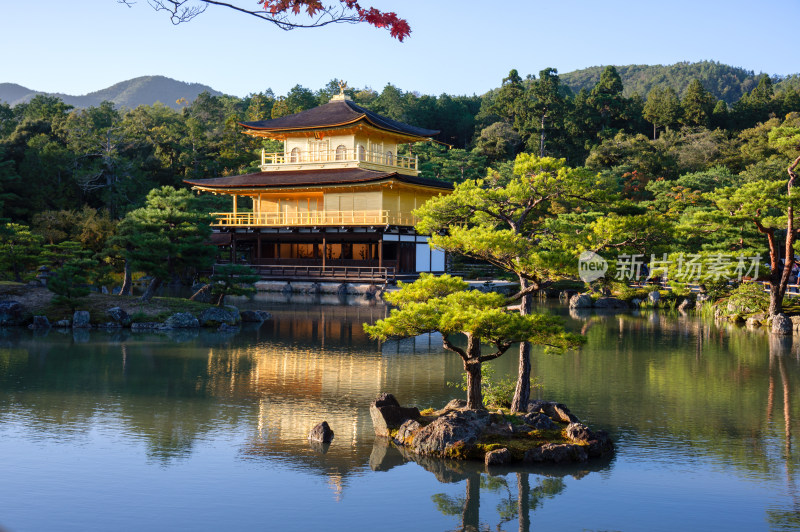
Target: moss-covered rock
pixel 548 432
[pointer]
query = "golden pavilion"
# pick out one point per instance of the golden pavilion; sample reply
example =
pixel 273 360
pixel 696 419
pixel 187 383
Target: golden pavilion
pixel 336 204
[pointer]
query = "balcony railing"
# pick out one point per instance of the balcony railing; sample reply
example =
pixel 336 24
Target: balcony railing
pixel 342 156
pixel 310 219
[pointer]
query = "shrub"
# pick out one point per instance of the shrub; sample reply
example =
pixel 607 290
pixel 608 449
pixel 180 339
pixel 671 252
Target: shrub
pixel 496 393
pixel 748 298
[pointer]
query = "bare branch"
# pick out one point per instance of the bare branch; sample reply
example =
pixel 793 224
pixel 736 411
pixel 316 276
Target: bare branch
pixel 452 347
pixel 519 295
pixel 502 347
pixel 181 11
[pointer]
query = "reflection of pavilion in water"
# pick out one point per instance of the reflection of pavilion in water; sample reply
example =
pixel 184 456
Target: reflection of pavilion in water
pixel 313 364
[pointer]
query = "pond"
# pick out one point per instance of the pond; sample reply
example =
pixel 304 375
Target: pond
pixel 208 431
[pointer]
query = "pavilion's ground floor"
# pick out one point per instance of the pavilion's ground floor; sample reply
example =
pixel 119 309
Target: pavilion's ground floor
pixel 331 253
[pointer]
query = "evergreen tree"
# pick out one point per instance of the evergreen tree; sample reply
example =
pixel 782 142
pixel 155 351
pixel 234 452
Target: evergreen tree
pixel 720 117
pixel 19 249
pixel 606 98
pixel 548 109
pixel 698 105
pixel 232 280
pixel 445 305
pixel 509 102
pixel 166 237
pixel 662 108
pixel 755 106
pixel 70 283
pixel 506 222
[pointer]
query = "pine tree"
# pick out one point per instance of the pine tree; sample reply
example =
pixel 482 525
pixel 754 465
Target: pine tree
pixel 698 105
pixel 166 237
pixel 662 108
pixel 232 280
pixel 446 305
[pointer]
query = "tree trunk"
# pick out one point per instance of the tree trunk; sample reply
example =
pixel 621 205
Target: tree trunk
pixel 127 280
pixel 522 393
pixel 203 290
pixel 541 138
pixel 775 298
pixel 154 285
pixel 779 279
pixel 791 235
pixel 474 396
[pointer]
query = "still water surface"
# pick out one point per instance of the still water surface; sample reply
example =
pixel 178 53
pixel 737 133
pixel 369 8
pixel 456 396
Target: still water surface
pixel 207 431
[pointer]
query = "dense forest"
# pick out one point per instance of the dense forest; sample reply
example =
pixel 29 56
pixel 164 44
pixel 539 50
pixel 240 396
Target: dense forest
pixel 63 168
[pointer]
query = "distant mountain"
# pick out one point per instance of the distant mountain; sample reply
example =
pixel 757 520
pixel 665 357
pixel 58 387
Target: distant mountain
pixel 723 81
pixel 145 90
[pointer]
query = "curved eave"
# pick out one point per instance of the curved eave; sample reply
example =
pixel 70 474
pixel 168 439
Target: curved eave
pixel 309 185
pixel 283 132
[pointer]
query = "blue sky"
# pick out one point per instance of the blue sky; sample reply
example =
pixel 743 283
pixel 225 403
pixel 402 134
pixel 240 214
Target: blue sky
pixel 456 47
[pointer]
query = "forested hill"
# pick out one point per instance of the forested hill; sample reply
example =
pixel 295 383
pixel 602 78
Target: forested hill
pixel 723 81
pixel 145 90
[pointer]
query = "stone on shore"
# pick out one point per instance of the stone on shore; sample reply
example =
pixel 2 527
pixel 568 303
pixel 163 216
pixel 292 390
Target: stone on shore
pixel 405 433
pixel 216 316
pixel 497 457
pixel 119 315
pixel 555 411
pixel 80 320
pixel 581 301
pixel 454 428
pixel 181 320
pixel 539 421
pixel 387 414
pixel 11 313
pixel 782 325
pixel 40 322
pixel 549 432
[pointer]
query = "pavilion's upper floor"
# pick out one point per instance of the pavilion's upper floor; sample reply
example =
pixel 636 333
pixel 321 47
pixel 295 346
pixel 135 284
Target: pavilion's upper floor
pixel 338 134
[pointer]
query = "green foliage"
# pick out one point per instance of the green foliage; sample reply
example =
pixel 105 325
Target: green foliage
pixel 168 236
pixel 722 81
pixel 443 304
pixel 56 255
pixel 497 393
pixel 662 109
pixel 503 221
pixel 748 298
pixel 698 105
pixel 70 283
pixel 19 249
pixel 232 280
pixel 55 158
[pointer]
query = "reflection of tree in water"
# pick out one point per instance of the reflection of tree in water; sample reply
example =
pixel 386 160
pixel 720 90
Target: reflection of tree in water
pixel 779 351
pixel 511 507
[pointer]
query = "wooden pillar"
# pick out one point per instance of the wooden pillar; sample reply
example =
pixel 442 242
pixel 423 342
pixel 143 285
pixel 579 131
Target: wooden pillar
pixel 258 248
pixel 233 247
pixel 324 250
pixel 380 251
pixel 234 205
